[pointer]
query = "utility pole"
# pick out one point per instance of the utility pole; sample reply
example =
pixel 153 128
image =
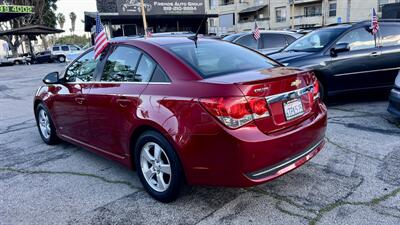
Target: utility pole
pixel 144 18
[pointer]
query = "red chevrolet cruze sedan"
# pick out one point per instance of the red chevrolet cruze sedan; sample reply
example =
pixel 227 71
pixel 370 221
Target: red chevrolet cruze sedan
pixel 180 112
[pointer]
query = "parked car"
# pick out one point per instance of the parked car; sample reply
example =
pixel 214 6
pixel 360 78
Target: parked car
pixel 215 114
pixel 42 57
pixel 346 58
pixel 59 52
pixel 5 61
pixel 394 99
pixel 270 41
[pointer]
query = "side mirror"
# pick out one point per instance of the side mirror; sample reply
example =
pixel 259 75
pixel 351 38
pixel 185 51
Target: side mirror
pixel 342 47
pixel 52 78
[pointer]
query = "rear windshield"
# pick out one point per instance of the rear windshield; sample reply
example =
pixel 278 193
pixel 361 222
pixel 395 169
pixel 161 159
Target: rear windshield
pixel 211 59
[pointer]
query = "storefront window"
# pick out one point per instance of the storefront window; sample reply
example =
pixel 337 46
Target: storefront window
pixel 382 3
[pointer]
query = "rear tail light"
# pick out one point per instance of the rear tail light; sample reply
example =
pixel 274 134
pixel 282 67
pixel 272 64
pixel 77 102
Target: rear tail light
pixel 316 88
pixel 235 112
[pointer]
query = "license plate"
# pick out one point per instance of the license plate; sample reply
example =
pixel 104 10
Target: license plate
pixel 293 109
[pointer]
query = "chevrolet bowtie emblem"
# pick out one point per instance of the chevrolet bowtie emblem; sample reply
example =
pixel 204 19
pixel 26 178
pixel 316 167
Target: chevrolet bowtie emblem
pixel 296 83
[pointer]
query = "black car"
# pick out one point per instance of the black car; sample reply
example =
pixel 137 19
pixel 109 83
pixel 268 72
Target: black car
pixel 270 41
pixel 42 57
pixel 347 57
pixel 394 99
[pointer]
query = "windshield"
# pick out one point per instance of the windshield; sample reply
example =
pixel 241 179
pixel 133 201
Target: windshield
pixel 212 59
pixel 315 41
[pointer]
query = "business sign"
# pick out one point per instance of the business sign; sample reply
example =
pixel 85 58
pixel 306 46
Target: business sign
pixel 6 7
pixel 161 7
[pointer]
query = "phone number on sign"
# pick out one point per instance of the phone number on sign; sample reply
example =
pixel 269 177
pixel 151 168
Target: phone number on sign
pixel 177 8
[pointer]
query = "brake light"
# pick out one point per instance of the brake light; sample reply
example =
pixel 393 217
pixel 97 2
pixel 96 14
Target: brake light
pixel 316 88
pixel 235 112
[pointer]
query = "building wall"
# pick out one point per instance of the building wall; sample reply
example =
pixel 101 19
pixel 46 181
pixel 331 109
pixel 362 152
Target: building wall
pixel 346 11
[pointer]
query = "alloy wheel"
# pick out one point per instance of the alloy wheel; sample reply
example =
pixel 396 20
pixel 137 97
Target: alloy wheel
pixel 155 166
pixel 44 124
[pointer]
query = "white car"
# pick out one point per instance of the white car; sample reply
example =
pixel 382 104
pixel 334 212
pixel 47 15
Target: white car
pixel 59 52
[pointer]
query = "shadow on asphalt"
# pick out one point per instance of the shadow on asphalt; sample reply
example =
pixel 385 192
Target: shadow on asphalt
pixel 359 97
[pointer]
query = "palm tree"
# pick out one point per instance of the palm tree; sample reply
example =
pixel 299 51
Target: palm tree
pixel 72 16
pixel 61 20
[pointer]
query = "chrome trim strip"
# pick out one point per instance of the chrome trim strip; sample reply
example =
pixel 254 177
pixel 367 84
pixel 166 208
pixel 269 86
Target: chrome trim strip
pixel 100 82
pixel 367 71
pixel 289 95
pixel 268 170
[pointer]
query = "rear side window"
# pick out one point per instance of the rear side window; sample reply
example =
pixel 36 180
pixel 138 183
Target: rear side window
pixel 121 65
pixel 65 48
pixel 56 48
pixel 273 40
pixel 160 76
pixel 248 41
pixel 390 35
pixel 145 69
pixel 212 58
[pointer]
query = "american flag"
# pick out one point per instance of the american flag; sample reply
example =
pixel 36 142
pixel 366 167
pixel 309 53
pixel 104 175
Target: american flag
pixel 374 22
pixel 149 34
pixel 256 32
pixel 101 40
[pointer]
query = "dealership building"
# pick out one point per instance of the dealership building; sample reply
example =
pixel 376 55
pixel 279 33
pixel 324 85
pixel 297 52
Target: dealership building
pixel 239 15
pixel 124 18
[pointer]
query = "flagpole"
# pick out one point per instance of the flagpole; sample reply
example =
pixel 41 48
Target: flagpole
pixel 144 18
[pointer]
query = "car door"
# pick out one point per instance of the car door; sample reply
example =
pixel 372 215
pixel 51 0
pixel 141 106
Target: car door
pixel 70 104
pixel 113 101
pixel 355 68
pixel 272 42
pixel 390 33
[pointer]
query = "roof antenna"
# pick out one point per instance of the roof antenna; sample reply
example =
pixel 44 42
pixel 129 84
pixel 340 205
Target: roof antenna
pixel 195 37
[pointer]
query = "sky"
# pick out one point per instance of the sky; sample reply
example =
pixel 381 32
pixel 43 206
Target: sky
pixel 78 7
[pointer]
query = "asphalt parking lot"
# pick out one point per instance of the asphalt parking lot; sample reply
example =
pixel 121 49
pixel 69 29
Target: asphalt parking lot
pixel 354 180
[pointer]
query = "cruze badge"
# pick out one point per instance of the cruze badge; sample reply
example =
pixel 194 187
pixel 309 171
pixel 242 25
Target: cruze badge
pixel 261 90
pixel 296 83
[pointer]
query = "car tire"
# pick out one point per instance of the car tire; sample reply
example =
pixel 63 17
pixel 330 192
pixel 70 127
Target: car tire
pixel 61 59
pixel 45 125
pixel 17 62
pixel 153 170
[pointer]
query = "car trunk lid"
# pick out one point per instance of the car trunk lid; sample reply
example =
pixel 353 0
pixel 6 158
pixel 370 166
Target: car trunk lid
pixel 289 93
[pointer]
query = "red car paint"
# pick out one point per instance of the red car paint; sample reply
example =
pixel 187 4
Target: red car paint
pixel 108 117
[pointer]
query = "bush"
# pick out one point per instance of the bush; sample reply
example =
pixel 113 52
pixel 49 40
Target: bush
pixel 73 40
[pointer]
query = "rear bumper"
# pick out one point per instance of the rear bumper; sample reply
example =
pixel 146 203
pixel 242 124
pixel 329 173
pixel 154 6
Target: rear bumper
pixel 394 102
pixel 287 165
pixel 248 157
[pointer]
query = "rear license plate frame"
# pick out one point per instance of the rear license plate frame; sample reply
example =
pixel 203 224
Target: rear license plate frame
pixel 294 104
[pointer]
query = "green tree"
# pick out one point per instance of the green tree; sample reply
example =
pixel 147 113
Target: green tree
pixel 61 20
pixel 72 16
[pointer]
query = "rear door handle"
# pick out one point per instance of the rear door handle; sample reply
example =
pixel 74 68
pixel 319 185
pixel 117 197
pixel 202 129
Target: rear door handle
pixel 80 100
pixel 124 102
pixel 374 54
